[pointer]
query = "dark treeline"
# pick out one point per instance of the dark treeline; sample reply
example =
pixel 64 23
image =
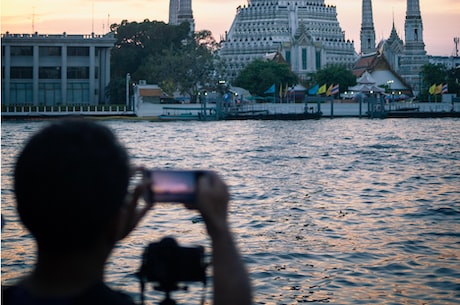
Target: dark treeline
pixel 167 55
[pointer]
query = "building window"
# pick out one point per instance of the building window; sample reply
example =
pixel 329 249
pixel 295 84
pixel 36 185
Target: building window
pixel 318 60
pixel 49 94
pixel 21 72
pixel 78 72
pixel 78 93
pixel 21 94
pixel 21 51
pixel 50 51
pixel 304 59
pixel 49 72
pixel 288 57
pixel 77 51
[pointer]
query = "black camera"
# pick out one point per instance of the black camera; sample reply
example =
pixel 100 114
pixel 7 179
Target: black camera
pixel 167 263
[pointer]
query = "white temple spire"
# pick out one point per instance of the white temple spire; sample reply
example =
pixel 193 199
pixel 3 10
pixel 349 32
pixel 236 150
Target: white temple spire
pixel 181 11
pixel 367 28
pixel 413 24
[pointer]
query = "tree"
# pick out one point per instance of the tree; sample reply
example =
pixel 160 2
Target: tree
pixel 161 70
pixel 439 74
pixel 453 80
pixel 204 38
pixel 163 54
pixel 433 74
pixel 198 64
pixel 188 68
pixel 136 43
pixel 335 74
pixel 260 75
pixel 117 90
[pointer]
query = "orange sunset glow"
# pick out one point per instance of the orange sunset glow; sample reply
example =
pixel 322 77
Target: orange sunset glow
pixel 441 18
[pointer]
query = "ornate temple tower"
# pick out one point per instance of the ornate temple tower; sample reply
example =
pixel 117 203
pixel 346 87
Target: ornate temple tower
pixel 186 13
pixel 414 55
pixel 173 11
pixel 414 27
pixel 180 11
pixel 306 33
pixel 367 28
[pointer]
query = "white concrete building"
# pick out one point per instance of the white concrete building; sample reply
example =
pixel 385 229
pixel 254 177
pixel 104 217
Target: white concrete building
pixel 55 70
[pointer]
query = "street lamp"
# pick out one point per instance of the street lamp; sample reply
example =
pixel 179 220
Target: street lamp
pixel 128 78
pixel 389 84
pixel 390 88
pixel 456 42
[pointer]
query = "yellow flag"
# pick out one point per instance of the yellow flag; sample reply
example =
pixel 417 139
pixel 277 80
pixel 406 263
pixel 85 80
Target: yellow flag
pixel 438 89
pixel 432 89
pixel 329 90
pixel 322 89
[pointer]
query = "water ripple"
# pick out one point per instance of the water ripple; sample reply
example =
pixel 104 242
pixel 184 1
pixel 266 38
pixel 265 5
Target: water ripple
pixel 341 211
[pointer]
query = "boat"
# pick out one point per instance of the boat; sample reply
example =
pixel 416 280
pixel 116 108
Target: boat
pixel 264 115
pixel 188 114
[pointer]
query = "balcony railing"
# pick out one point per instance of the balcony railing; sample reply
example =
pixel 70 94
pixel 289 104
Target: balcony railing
pixel 87 110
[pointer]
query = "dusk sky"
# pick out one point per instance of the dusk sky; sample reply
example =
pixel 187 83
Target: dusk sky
pixel 441 18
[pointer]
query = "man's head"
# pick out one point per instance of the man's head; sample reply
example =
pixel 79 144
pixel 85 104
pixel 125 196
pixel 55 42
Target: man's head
pixel 70 182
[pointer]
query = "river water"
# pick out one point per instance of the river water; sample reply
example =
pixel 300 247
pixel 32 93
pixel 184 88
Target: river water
pixel 342 211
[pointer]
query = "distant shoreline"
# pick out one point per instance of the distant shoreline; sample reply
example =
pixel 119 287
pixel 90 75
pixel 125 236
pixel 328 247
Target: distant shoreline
pixel 338 109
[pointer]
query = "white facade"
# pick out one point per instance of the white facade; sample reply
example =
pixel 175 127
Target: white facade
pixel 55 70
pixel 450 62
pixel 147 99
pixel 306 33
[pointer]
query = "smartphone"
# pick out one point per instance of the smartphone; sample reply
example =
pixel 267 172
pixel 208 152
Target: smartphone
pixel 179 186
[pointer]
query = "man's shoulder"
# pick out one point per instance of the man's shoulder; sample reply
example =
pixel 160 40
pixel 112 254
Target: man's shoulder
pixel 97 295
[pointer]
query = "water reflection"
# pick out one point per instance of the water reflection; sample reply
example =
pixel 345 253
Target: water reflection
pixel 331 211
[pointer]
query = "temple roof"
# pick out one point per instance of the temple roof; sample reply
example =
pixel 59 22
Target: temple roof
pixel 394 35
pixel 275 56
pixel 366 78
pixel 302 35
pixel 369 63
pixel 365 62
